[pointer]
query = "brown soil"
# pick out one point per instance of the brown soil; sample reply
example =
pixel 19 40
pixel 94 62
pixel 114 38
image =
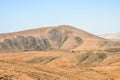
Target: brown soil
pixel 58 65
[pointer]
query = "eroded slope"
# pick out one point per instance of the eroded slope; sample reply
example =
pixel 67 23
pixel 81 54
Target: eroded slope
pixel 57 65
pixel 62 37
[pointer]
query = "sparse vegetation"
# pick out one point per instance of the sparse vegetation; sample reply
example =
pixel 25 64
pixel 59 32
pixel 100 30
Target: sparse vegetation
pixel 47 65
pixel 43 60
pixel 79 40
pixel 44 54
pixel 113 50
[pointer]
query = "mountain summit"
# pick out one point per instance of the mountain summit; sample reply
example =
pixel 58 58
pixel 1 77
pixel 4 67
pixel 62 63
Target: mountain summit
pixel 61 37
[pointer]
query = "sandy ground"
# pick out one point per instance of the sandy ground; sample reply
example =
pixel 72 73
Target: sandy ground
pixel 52 65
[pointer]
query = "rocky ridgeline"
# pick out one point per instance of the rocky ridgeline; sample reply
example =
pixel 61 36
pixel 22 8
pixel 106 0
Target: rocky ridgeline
pixel 54 40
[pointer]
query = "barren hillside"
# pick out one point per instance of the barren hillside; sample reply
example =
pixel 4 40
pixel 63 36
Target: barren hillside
pixel 58 53
pixel 62 37
pixel 57 65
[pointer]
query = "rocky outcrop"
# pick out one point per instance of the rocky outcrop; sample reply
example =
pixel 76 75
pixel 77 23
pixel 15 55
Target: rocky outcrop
pixel 61 37
pixel 21 43
pixel 53 41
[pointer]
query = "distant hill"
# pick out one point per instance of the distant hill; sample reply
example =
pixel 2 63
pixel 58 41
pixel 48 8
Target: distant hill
pixel 61 37
pixel 113 37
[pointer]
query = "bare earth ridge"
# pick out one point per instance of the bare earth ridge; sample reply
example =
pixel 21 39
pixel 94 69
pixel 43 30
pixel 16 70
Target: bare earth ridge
pixel 58 53
pixel 54 38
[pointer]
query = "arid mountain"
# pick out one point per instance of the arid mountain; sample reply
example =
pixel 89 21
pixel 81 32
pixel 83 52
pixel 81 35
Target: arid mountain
pixel 53 38
pixel 113 37
pixel 58 53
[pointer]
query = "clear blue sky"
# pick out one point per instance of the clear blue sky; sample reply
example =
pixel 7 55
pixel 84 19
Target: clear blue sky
pixel 95 16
